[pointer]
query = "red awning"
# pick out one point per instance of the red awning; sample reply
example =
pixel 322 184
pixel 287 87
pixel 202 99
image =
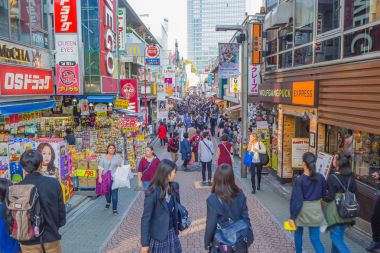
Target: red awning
pixel 233 108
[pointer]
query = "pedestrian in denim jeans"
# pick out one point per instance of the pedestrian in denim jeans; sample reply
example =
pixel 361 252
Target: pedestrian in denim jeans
pixel 305 204
pixel 337 183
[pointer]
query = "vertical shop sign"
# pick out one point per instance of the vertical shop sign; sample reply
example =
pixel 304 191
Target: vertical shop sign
pixel 254 79
pixel 67 64
pixel 121 28
pixel 257 42
pixel 235 84
pixel 128 91
pixel 65 13
pixel 108 31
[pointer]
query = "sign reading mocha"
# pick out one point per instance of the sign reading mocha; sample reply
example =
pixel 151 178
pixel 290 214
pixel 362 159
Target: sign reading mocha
pixel 296 93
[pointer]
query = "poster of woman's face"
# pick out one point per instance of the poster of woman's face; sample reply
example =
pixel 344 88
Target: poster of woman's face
pixel 49 163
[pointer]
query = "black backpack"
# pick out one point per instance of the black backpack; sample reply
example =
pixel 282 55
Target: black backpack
pixel 348 206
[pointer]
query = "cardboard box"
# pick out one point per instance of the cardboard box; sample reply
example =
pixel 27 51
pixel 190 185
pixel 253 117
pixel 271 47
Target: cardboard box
pixel 83 182
pixel 93 165
pixel 83 165
pixel 91 182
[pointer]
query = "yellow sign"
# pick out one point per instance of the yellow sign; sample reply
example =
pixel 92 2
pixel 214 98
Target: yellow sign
pixel 303 93
pixel 86 173
pixel 140 137
pixel 121 104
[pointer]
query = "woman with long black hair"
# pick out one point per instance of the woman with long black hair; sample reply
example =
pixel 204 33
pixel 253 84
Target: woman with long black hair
pixel 159 230
pixel 305 203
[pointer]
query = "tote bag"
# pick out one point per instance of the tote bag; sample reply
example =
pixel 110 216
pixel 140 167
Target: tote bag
pixel 248 157
pixel 121 177
pixel 104 187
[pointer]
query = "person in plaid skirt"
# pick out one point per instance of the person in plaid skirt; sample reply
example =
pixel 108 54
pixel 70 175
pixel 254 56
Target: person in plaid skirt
pixel 160 212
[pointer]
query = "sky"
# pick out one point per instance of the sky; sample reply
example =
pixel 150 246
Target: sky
pixel 176 12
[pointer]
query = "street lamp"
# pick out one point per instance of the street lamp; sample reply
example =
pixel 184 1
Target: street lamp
pixel 244 88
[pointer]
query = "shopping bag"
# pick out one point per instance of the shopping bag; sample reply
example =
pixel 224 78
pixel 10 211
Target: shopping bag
pixel 121 177
pixel 192 159
pixel 104 187
pixel 248 157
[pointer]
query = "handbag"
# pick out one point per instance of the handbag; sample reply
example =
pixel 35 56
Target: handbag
pixel 232 235
pixel 248 157
pixel 104 187
pixel 264 158
pixel 121 177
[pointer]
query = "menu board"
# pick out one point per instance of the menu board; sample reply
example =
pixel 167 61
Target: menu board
pixel 299 147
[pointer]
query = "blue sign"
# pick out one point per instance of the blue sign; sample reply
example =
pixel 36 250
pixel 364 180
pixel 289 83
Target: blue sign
pixel 152 61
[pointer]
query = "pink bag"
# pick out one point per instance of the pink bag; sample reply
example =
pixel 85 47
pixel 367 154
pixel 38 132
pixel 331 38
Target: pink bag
pixel 104 188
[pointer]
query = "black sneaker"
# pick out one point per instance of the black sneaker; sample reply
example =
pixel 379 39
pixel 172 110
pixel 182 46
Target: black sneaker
pixel 204 183
pixel 115 212
pixel 253 191
pixel 108 206
pixel 372 246
pixel 258 188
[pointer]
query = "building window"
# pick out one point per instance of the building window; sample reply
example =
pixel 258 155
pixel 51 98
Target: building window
pixel 285 60
pixel 362 41
pixel 360 12
pixel 271 42
pixel 303 56
pixel 327 50
pixel 304 18
pixel 20 30
pixel 271 63
pixel 271 4
pixel 328 15
pixel 4 23
pixel 286 37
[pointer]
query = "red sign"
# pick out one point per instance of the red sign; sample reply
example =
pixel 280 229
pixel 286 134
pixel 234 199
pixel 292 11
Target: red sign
pixel 65 13
pixel 128 122
pixel 128 91
pixel 15 80
pixel 67 80
pixel 152 51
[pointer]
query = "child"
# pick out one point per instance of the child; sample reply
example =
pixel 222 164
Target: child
pixel 7 244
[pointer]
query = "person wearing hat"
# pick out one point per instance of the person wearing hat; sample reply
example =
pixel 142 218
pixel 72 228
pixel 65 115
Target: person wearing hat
pixel 52 207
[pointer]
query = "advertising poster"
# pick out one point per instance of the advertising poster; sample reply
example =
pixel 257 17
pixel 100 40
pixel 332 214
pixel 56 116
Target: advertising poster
pixel 254 79
pixel 128 91
pixel 323 163
pixel 228 60
pixel 299 147
pixel 235 84
pixel 51 157
pixel 67 64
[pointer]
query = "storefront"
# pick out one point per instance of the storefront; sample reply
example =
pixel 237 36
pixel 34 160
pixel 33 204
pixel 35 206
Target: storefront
pixel 290 110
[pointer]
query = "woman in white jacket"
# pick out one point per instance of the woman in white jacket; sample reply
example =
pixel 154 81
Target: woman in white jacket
pixel 257 147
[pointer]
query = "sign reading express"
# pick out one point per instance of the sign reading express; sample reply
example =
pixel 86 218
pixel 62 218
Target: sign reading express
pixel 297 93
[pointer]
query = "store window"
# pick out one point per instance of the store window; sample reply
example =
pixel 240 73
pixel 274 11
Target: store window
pixel 4 19
pixel 272 42
pixel 285 60
pixel 328 15
pixel 271 63
pixel 285 37
pixel 364 148
pixel 304 20
pixel 20 30
pixel 360 12
pixel 327 50
pixel 362 41
pixel 303 56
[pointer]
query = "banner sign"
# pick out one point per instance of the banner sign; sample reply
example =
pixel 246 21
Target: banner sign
pixel 228 60
pixel 135 49
pixel 16 81
pixel 67 64
pixel 121 104
pixel 65 16
pixel 128 91
pixel 254 79
pixel 128 123
pixel 257 42
pixel 235 84
pixel 121 17
pixel 152 55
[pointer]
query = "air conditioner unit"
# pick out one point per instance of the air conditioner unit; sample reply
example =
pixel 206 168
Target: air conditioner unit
pixel 282 13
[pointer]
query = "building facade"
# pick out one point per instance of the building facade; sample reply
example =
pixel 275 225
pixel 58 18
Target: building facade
pixel 321 80
pixel 203 16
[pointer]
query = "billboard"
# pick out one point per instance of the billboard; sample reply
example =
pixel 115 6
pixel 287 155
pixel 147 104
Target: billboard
pixel 65 16
pixel 229 60
pixel 254 79
pixel 16 81
pixel 128 91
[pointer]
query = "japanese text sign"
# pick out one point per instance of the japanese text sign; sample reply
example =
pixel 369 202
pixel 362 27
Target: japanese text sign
pixel 65 13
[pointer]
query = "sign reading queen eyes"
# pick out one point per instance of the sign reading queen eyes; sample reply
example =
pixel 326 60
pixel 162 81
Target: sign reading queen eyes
pixel 67 47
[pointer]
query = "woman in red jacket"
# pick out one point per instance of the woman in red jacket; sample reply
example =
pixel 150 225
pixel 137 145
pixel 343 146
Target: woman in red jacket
pixel 162 132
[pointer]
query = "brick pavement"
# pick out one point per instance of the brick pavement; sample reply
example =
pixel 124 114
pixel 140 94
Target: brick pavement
pixel 269 237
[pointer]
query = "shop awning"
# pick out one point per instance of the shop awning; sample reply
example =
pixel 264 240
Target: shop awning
pixel 101 99
pixel 17 107
pixel 233 108
pixel 218 101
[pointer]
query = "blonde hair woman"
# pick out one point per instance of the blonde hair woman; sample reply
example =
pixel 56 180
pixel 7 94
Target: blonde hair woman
pixel 256 147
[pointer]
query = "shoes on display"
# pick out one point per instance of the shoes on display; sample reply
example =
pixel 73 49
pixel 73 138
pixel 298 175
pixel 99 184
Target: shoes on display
pixel 373 245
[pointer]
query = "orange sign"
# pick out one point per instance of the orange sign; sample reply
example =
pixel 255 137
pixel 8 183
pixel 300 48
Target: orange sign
pixel 304 93
pixel 257 46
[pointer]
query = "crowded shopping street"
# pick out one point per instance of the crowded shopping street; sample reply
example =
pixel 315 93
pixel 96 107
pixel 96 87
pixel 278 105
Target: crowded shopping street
pixel 189 126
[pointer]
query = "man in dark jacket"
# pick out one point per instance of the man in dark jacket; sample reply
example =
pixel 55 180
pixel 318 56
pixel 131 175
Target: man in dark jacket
pixel 173 147
pixel 51 201
pixel 375 219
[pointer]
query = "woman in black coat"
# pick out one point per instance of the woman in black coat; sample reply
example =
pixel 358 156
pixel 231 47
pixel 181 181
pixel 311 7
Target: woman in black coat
pixel 224 194
pixel 159 230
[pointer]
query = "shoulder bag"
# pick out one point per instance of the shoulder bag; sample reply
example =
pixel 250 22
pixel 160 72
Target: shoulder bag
pixel 248 157
pixel 228 152
pixel 264 158
pixel 209 149
pixel 230 235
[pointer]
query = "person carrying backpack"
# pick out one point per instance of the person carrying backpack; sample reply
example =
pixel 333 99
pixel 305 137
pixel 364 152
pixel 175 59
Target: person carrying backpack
pixel 44 234
pixel 7 243
pixel 337 184
pixel 173 147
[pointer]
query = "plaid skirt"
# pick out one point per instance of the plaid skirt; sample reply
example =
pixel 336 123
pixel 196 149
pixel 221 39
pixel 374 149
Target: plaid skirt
pixel 170 245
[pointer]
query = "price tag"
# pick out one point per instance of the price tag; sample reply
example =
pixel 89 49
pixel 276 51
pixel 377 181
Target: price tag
pixel 86 173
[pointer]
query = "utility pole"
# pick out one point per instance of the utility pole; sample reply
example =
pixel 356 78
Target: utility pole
pixel 244 101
